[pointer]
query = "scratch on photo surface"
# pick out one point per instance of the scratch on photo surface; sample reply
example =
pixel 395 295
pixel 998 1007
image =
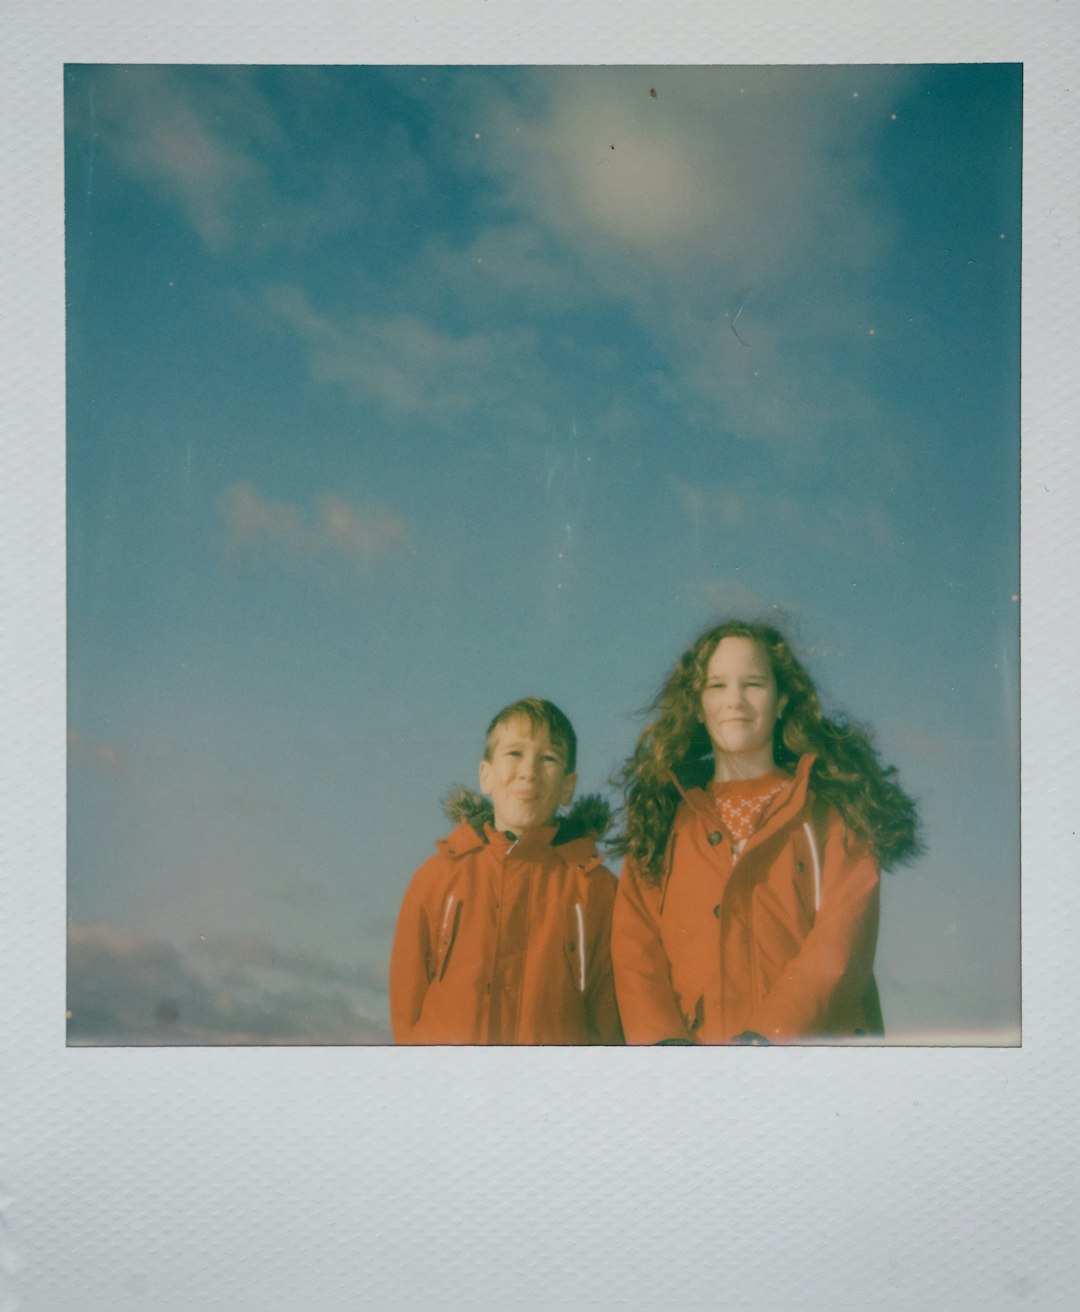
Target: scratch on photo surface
pixel 742 306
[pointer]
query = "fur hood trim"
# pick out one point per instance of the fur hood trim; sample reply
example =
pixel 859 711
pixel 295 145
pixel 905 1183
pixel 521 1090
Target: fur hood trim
pixel 589 816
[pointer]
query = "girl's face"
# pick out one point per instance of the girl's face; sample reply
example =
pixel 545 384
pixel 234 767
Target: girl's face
pixel 740 704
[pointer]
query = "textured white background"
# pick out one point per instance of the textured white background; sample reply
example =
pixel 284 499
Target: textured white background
pixel 383 1178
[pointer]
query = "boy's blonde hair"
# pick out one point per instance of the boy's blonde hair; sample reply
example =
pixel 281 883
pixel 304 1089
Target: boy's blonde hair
pixel 540 714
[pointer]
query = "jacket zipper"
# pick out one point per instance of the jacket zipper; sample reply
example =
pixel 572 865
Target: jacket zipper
pixel 581 945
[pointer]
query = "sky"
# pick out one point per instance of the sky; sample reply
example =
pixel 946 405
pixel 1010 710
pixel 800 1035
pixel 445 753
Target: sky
pixel 396 394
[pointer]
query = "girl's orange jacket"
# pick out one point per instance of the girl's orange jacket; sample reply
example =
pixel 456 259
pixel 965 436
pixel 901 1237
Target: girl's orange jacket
pixel 507 942
pixel 778 941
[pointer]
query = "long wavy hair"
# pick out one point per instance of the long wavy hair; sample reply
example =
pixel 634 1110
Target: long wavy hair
pixel 675 744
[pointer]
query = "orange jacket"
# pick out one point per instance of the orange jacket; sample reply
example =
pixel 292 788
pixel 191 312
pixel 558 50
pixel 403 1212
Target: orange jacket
pixel 501 942
pixel 778 941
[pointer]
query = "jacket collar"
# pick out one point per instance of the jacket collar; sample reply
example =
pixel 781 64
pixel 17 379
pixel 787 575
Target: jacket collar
pixel 581 852
pixel 782 809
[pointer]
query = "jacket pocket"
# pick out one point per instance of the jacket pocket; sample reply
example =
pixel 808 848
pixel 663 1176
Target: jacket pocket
pixel 777 927
pixel 448 929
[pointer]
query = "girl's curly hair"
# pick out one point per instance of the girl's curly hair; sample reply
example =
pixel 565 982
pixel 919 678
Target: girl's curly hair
pixel 847 773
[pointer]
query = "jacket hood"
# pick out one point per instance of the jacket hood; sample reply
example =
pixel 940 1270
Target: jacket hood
pixel 589 816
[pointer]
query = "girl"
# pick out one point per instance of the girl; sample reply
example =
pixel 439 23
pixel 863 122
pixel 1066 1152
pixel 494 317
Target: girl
pixel 747 910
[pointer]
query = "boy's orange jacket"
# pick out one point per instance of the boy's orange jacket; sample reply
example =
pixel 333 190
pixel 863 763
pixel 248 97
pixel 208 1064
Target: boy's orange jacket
pixel 508 942
pixel 779 941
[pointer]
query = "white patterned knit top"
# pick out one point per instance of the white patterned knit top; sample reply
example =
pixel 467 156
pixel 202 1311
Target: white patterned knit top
pixel 743 802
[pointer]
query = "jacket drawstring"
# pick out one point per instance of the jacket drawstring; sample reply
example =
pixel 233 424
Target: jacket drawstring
pixel 816 861
pixel 446 915
pixel 581 945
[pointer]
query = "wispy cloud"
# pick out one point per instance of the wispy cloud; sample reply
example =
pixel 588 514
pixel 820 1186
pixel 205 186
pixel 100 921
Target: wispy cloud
pixel 129 987
pixel 730 198
pixel 749 168
pixel 408 363
pixel 730 597
pixel 151 119
pixel 208 140
pixel 88 754
pixel 504 262
pixel 261 958
pixel 732 194
pixel 332 527
pixel 834 523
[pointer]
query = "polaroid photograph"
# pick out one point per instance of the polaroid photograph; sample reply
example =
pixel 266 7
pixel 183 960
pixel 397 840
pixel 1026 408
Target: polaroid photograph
pixel 537 569
pixel 398 394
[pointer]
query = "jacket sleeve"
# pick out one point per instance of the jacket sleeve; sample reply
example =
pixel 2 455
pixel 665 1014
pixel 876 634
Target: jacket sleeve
pixel 648 1004
pixel 833 967
pixel 412 962
pixel 601 1009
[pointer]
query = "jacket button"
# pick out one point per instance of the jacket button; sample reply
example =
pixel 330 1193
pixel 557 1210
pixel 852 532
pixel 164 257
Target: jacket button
pixel 487 988
pixel 715 837
pixel 716 911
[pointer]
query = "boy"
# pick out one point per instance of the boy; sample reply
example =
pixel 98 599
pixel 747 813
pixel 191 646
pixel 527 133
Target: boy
pixel 503 936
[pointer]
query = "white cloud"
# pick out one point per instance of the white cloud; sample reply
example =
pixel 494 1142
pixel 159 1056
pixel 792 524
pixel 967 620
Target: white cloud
pixel 332 526
pixel 733 189
pixel 126 986
pixel 751 168
pixel 732 192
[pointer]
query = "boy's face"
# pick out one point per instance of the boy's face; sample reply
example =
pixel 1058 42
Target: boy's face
pixel 526 777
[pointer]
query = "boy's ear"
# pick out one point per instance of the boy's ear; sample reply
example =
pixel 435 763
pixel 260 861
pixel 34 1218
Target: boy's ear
pixel 485 778
pixel 567 794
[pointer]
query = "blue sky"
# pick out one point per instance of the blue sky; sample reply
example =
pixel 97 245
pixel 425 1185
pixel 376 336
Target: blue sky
pixel 395 394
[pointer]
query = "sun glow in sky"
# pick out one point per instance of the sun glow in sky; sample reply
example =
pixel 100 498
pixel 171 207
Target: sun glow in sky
pixel 395 394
